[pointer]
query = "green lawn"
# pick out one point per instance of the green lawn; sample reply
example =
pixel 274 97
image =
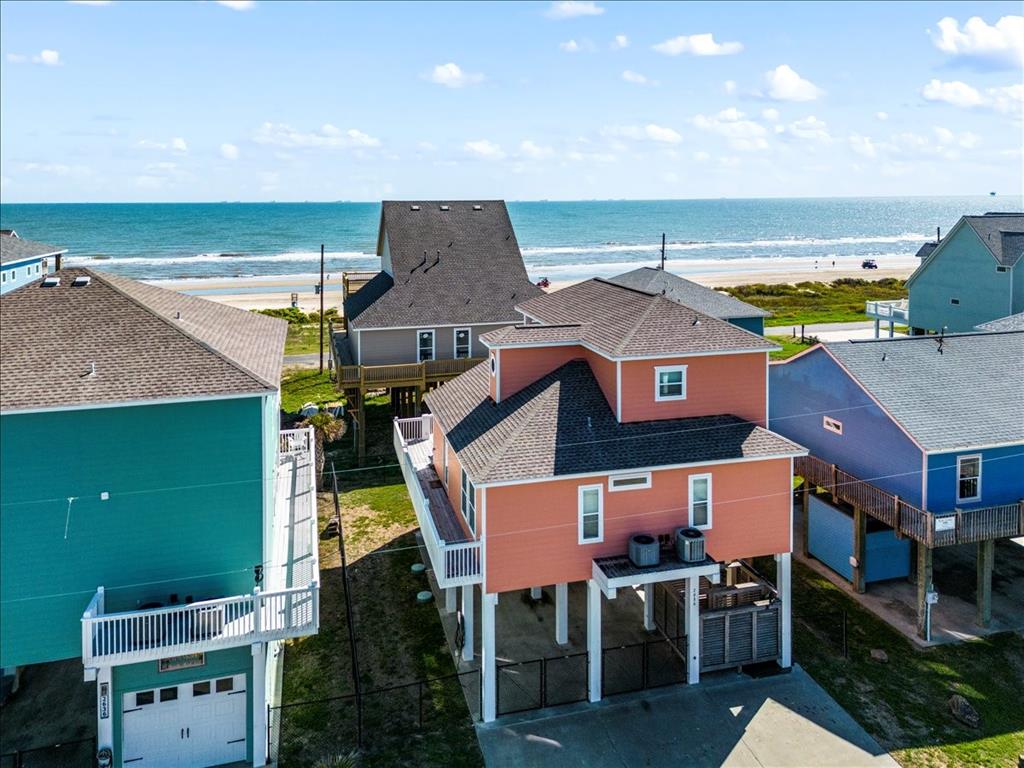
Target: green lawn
pixel 903 703
pixel 304 339
pixel 302 385
pixel 791 345
pixel 812 302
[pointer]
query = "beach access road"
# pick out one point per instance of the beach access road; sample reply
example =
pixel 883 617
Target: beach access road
pixel 832 331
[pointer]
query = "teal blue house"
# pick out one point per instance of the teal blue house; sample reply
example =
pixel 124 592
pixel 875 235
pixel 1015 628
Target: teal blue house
pixel 972 276
pixel 156 522
pixel 22 261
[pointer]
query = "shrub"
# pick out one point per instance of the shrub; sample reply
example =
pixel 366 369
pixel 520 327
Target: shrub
pixel 293 315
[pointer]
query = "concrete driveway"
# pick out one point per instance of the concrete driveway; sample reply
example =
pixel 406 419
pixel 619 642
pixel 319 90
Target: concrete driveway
pixel 834 331
pixel 785 720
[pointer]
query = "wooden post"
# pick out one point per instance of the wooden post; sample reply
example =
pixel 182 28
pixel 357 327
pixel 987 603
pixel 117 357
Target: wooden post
pixel 805 505
pixel 361 418
pixel 924 584
pixel 860 548
pixel 896 516
pixel 986 559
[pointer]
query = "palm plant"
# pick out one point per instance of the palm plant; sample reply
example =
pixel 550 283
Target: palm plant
pixel 326 429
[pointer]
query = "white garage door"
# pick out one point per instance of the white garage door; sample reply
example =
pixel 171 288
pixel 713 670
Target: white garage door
pixel 197 724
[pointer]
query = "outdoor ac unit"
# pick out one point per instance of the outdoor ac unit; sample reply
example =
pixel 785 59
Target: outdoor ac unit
pixel 689 545
pixel 644 550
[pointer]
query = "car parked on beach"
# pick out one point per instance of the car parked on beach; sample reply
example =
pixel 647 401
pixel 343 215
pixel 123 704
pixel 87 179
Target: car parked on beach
pixel 869 264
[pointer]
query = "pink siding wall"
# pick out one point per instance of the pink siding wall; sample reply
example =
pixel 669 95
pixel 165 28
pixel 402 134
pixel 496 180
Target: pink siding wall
pixel 454 488
pixel 532 537
pixel 715 384
pixel 604 371
pixel 493 381
pixel 520 367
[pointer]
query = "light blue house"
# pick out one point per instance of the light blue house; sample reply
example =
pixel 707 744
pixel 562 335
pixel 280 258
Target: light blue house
pixel 22 261
pixel 156 523
pixel 971 276
pixel 935 424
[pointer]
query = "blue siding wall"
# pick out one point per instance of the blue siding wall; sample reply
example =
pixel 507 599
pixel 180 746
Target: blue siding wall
pixel 16 275
pixel 752 324
pixel 804 390
pixel 830 540
pixel 1002 478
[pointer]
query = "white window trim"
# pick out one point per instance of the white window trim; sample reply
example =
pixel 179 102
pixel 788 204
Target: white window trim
pixel 444 461
pixel 455 342
pixel 468 500
pixel 959 461
pixel 832 425
pixel 433 344
pixel 658 370
pixel 689 501
pixel 600 513
pixel 612 479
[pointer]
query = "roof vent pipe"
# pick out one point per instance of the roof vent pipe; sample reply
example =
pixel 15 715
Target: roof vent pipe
pixel 938 235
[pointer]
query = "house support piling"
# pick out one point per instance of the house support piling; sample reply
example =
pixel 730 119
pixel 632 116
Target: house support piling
pixel 986 560
pixel 450 599
pixel 259 704
pixel 467 623
pixel 784 583
pixel 924 586
pixel 693 630
pixel 649 607
pixel 488 665
pixel 536 593
pixel 562 613
pixel 593 640
pixel 860 548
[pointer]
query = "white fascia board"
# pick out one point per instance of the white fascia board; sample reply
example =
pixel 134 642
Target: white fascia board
pixel 962 448
pixel 627 358
pixel 711 571
pixel 133 403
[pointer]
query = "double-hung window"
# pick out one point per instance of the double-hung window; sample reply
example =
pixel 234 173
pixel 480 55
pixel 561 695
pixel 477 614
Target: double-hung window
pixel 669 382
pixel 700 501
pixel 462 342
pixel 968 478
pixel 591 514
pixel 424 345
pixel 469 501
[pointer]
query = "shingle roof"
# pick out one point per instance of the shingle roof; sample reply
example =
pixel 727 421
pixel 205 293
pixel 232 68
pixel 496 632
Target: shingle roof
pixel 472 273
pixel 15 249
pixel 147 343
pixel 688 293
pixel 1009 323
pixel 968 395
pixel 534 334
pixel 1002 233
pixel 626 322
pixel 926 250
pixel 562 425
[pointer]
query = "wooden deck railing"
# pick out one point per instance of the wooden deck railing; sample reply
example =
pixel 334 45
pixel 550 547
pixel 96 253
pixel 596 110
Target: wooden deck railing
pixel 961 526
pixel 404 374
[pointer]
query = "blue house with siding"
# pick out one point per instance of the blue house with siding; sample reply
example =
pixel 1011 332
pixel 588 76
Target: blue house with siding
pixel 157 524
pixel 937 423
pixel 22 261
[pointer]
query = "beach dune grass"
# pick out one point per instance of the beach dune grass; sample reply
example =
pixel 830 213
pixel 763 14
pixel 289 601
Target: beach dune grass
pixel 839 301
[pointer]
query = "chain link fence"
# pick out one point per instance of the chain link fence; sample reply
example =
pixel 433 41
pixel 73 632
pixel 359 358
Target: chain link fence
pixel 70 754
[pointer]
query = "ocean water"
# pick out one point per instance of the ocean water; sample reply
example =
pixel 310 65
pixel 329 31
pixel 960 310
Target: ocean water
pixel 559 240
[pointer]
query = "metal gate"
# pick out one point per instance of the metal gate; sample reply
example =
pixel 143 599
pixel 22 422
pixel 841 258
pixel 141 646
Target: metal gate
pixel 547 682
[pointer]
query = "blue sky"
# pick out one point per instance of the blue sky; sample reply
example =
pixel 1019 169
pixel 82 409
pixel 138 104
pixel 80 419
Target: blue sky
pixel 135 101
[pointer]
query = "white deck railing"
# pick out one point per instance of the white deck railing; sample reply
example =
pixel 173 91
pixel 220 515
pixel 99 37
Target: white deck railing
pixel 897 310
pixel 454 564
pixel 132 636
pixel 295 441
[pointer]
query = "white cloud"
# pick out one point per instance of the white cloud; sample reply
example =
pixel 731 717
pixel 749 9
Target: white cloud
pixel 883 116
pixel 570 46
pixel 733 125
pixel 729 86
pixel 662 134
pixel 485 149
pixel 47 57
pixel 570 9
pixel 810 128
pixel 17 58
pixel 229 151
pixel 1008 99
pixel 535 151
pixel 451 75
pixel 636 78
pixel 238 5
pixel 426 146
pixel 58 169
pixel 955 92
pixel 784 84
pixel 966 140
pixel 620 42
pixel 999 45
pixel 701 157
pixel 283 135
pixel 177 144
pixel 697 45
pixel 649 132
pixel 770 114
pixel 863 146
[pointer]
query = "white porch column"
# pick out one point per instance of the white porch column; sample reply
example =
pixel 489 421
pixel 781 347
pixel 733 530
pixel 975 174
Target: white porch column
pixel 467 622
pixel 649 606
pixel 105 709
pixel 488 665
pixel 259 704
pixel 450 597
pixel 693 630
pixel 594 639
pixel 562 613
pixel 785 587
pixel 536 593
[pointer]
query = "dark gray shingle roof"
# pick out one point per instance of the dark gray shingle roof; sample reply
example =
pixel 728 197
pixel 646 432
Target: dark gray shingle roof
pixel 1002 233
pixel 562 425
pixel 969 395
pixel 16 249
pixel 1009 323
pixel 688 293
pixel 473 272
pixel 147 343
pixel 626 322
pixel 534 334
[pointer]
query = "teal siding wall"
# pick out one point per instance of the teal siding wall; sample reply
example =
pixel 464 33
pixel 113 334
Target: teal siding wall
pixel 752 324
pixel 1018 287
pixel 963 268
pixel 184 515
pixel 144 676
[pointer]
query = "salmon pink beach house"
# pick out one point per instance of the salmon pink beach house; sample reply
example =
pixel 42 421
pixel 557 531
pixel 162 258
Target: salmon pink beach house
pixel 616 439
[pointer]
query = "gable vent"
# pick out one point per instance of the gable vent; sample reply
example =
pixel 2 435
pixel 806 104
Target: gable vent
pixel 81 280
pixel 51 282
pixel 414 207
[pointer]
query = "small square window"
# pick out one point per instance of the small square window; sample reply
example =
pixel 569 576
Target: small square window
pixel 225 684
pixel 954 301
pixel 670 382
pixel 142 698
pixel 201 689
pixel 169 694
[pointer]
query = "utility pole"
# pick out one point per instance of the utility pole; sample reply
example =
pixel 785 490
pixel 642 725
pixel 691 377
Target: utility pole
pixel 322 287
pixel 662 251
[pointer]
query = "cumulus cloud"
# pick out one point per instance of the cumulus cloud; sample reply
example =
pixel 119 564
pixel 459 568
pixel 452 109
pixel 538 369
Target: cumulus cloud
pixel 733 125
pixel 649 132
pixel 571 9
pixel 883 116
pixel 46 57
pixel 177 144
pixel 620 42
pixel 485 149
pixel 809 128
pixel 535 151
pixel 697 45
pixel 570 46
pixel 863 146
pixel 955 92
pixel 238 5
pixel 329 136
pixel 229 151
pixel 770 114
pixel 636 78
pixel 784 84
pixel 984 45
pixel 451 75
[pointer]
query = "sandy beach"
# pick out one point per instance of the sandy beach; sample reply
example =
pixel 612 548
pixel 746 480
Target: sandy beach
pixel 275 292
